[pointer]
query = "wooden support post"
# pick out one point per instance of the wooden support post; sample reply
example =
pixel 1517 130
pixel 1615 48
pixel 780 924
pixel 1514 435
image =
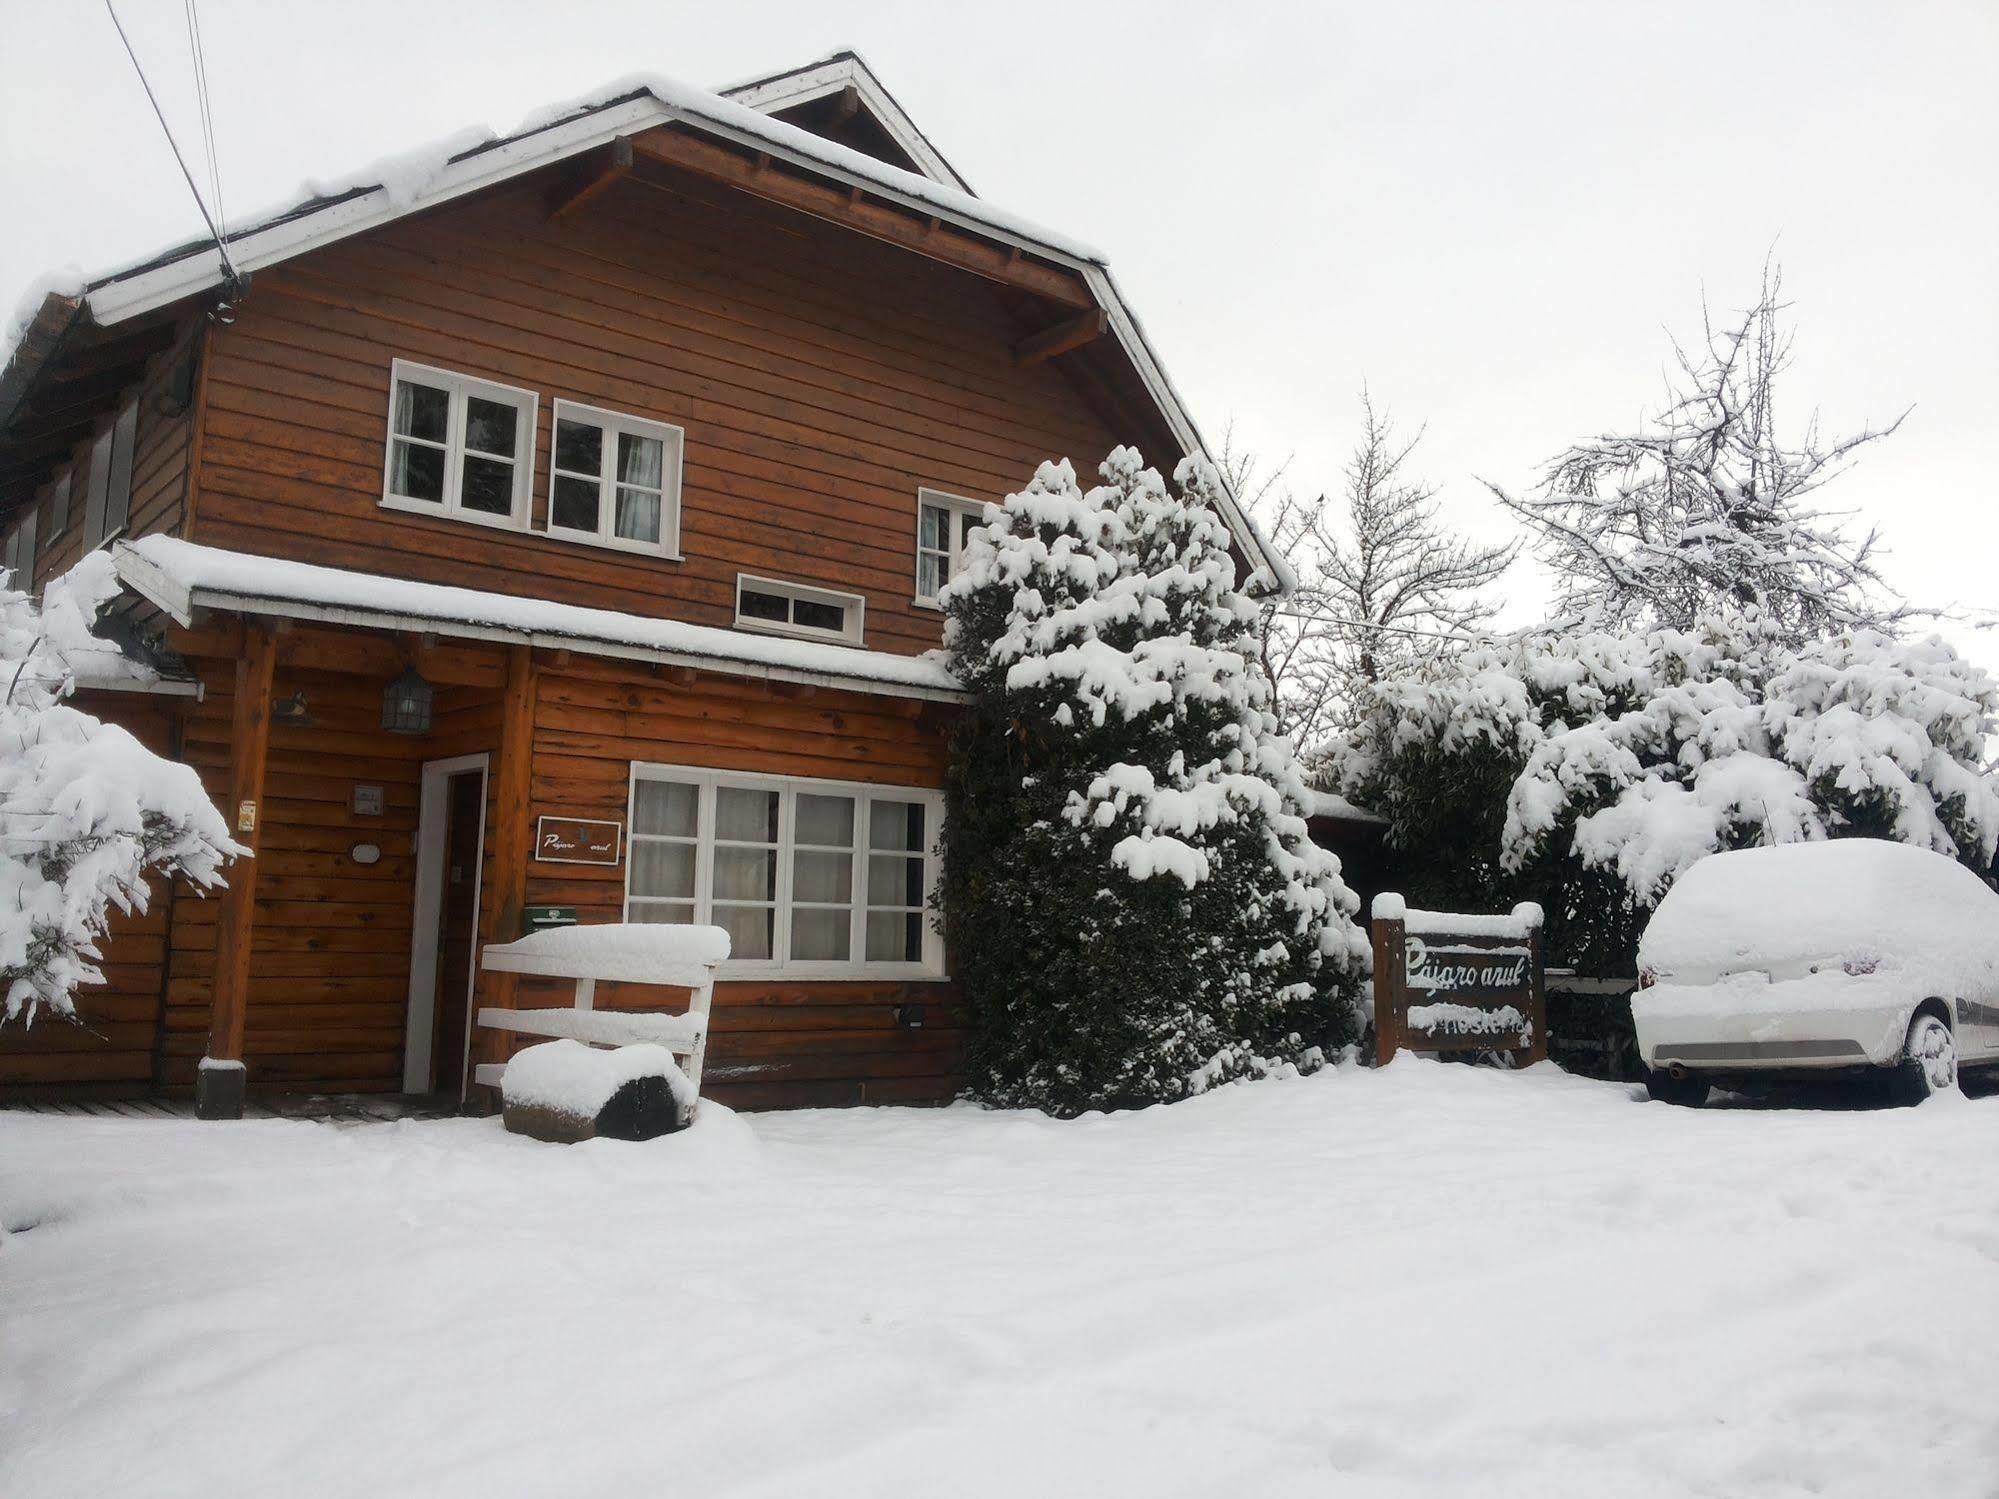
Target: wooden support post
pixel 1391 988
pixel 220 1084
pixel 1537 990
pixel 512 841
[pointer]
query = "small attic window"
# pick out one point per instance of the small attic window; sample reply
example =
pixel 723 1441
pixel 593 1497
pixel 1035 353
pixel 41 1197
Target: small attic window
pixel 774 607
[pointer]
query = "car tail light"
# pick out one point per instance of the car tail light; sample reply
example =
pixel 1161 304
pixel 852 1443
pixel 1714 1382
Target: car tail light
pixel 1858 965
pixel 1647 978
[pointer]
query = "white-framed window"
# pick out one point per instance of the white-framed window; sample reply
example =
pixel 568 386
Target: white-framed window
pixel 810 878
pixel 780 608
pixel 614 480
pixel 942 523
pixel 458 446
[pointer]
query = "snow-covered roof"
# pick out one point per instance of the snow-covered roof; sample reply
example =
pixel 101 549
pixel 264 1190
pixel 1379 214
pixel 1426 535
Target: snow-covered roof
pixel 179 577
pixel 1332 804
pixel 472 160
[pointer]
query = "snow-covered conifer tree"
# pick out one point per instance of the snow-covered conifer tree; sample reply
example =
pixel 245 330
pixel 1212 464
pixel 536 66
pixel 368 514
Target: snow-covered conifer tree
pixel 1135 910
pixel 87 812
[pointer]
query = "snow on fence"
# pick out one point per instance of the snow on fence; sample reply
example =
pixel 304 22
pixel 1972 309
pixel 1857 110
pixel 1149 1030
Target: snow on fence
pixel 1446 981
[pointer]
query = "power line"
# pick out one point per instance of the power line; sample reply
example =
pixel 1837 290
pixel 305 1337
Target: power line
pixel 228 270
pixel 199 55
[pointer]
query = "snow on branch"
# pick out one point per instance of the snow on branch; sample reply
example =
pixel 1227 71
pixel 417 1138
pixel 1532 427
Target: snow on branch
pixel 87 812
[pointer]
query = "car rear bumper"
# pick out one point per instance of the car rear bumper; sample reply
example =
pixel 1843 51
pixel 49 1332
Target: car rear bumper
pixel 1729 1028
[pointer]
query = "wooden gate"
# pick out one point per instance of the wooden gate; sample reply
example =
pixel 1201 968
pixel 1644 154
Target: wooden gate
pixel 1449 982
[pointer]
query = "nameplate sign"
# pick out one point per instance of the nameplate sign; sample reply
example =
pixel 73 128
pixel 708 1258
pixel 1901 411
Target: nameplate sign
pixel 577 840
pixel 1447 981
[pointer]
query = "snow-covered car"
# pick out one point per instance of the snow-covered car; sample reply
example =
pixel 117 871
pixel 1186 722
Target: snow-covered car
pixel 1856 956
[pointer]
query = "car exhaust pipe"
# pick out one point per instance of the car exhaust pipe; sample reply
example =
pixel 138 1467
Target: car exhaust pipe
pixel 1677 1071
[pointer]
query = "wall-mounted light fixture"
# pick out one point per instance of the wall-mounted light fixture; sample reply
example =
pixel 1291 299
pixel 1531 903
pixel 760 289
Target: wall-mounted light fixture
pixel 406 704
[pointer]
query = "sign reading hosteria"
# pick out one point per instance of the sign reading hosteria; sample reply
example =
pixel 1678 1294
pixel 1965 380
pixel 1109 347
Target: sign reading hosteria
pixel 577 840
pixel 1444 981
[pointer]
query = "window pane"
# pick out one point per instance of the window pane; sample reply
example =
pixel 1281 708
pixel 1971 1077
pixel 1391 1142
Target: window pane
pixel 745 874
pixel 743 815
pixel 574 504
pixel 930 531
pixel 754 605
pixel 749 929
pixel 817 616
pixel 825 820
pixel 896 825
pixel 662 869
pixel 489 426
pixel 822 879
pixel 579 447
pixel 929 574
pixel 488 487
pixel 417 473
pixel 966 520
pixel 677 912
pixel 638 515
pixel 822 936
pixel 665 807
pixel 895 937
pixel 894 880
pixel 641 460
pixel 421 410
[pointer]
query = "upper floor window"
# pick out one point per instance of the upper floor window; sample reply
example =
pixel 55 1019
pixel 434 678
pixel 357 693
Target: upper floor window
pixel 107 502
pixel 19 561
pixel 58 509
pixel 943 521
pixel 615 480
pixel 459 446
pixel 795 609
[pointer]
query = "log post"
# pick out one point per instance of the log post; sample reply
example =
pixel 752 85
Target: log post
pixel 1391 987
pixel 1537 998
pixel 220 1084
pixel 513 835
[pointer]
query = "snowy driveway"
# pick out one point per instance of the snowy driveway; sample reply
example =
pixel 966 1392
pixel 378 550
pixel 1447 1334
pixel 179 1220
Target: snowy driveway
pixel 1425 1281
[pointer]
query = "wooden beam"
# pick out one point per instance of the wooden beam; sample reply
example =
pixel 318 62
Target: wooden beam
pixel 832 201
pixel 220 1087
pixel 511 839
pixel 601 171
pixel 846 104
pixel 1084 328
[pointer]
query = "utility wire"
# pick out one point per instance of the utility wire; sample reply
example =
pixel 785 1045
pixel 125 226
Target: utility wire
pixel 199 55
pixel 235 282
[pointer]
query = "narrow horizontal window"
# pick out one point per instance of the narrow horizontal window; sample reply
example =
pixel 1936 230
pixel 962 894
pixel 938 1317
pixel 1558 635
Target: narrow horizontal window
pixel 614 480
pixel 943 521
pixel 808 877
pixel 796 609
pixel 458 446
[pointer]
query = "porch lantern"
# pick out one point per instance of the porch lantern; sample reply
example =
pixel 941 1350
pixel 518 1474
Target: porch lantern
pixel 406 704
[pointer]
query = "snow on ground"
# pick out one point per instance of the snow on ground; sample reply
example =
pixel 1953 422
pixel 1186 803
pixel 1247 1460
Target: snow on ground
pixel 1424 1281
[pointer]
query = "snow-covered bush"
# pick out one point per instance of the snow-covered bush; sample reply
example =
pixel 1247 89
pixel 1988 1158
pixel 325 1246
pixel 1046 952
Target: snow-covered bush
pixel 86 811
pixel 1627 756
pixel 1135 909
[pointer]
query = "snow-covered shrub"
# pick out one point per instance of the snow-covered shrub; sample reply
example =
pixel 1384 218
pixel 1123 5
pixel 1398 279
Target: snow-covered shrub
pixel 86 811
pixel 1135 909
pixel 1628 755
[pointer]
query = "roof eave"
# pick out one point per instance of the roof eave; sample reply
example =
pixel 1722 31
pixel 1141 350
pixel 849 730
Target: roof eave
pixel 40 341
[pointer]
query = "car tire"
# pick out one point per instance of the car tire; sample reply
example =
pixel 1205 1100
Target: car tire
pixel 1689 1092
pixel 1929 1060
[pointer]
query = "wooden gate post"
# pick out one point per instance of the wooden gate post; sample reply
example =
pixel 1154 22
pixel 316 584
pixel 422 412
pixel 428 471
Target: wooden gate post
pixel 1537 993
pixel 1391 974
pixel 220 1084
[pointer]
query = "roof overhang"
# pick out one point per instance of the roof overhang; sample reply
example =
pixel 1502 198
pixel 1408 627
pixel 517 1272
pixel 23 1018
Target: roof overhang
pixel 180 578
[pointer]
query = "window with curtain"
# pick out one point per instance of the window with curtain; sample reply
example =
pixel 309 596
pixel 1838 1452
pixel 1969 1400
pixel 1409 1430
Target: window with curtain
pixel 614 480
pixel 458 446
pixel 808 877
pixel 943 521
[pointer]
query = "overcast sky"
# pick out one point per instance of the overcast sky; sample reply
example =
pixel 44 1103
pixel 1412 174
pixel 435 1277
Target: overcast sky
pixel 1490 213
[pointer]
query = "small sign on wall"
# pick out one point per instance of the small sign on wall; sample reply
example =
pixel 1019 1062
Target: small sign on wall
pixel 367 801
pixel 577 840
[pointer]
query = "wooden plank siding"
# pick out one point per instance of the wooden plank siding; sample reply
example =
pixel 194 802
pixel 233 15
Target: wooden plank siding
pixel 160 456
pixel 821 377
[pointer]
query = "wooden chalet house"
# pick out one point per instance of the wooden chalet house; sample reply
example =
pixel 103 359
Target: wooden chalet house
pixel 558 524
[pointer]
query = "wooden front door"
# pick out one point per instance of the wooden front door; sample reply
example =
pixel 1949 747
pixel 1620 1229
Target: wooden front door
pixel 457 927
pixel 444 924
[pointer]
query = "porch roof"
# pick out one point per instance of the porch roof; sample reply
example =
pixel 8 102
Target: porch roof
pixel 178 577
